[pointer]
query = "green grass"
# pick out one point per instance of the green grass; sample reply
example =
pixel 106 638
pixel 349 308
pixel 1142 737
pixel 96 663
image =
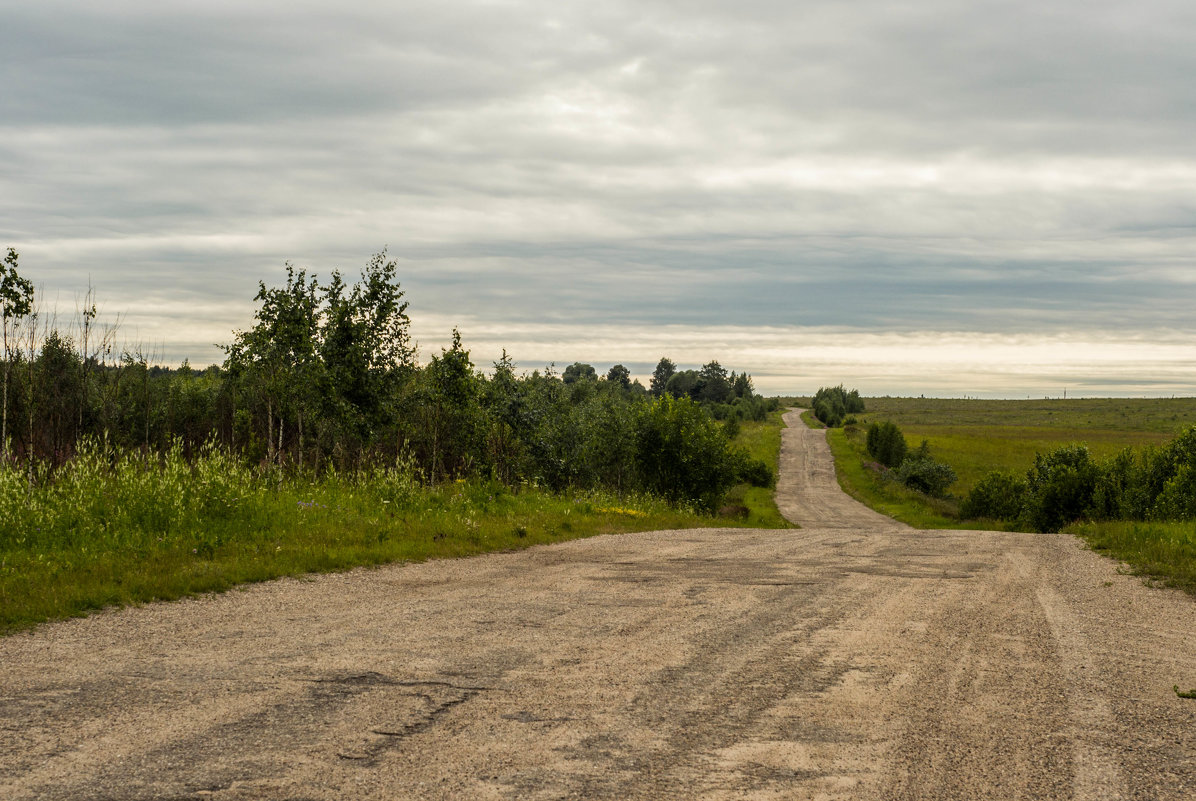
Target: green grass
pixel 979 436
pixel 762 440
pixel 976 437
pixel 862 482
pixel 109 529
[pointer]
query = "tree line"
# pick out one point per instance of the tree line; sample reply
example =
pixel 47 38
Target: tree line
pixel 328 377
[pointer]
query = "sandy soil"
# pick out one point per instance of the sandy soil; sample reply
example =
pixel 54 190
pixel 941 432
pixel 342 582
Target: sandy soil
pixel 855 658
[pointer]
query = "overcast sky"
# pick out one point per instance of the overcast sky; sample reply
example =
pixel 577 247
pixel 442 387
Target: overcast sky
pixel 941 197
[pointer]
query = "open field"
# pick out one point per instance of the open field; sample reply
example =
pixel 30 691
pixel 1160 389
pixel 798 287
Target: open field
pixel 977 436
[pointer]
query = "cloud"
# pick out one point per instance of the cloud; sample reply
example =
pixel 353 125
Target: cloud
pixel 1006 168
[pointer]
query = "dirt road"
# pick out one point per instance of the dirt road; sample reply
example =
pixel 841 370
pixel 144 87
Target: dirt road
pixel 854 658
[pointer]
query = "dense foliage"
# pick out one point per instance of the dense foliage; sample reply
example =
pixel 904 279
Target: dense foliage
pixel 833 405
pixel 328 379
pixel 1067 484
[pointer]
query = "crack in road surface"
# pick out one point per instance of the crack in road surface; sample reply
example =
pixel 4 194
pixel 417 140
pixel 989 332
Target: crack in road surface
pixel 855 658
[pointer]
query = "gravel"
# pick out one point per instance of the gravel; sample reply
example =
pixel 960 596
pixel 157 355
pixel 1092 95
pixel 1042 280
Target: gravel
pixel 854 658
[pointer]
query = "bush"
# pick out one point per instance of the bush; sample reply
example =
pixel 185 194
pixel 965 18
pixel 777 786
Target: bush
pixel 998 496
pixel 832 404
pixel 1061 487
pixel 754 471
pixel 886 444
pixel 827 413
pixel 682 454
pixel 926 475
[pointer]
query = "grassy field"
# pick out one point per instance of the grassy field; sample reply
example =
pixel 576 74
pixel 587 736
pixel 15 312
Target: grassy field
pixel 110 530
pixel 977 436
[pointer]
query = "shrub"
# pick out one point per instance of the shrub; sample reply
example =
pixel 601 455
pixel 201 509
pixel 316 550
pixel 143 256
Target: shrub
pixel 754 471
pixel 999 496
pixel 886 444
pixel 1121 490
pixel 926 475
pixel 682 454
pixel 1177 501
pixel 832 404
pixel 1061 487
pixel 827 413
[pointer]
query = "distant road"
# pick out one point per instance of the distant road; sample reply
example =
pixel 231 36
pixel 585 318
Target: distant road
pixel 852 659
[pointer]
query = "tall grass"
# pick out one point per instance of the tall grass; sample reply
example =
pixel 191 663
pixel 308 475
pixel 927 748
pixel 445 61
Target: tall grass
pixel 110 527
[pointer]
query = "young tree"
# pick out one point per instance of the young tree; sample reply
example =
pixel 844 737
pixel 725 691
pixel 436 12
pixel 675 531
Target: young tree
pixel 16 304
pixel 660 376
pixel 741 386
pixel 277 358
pixel 451 410
pixel 366 348
pixel 713 385
pixel 95 346
pixel 683 384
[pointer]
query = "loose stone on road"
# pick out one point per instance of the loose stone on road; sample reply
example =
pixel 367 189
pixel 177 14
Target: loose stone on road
pixel 854 658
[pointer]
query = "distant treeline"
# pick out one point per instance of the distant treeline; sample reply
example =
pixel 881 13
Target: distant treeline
pixel 328 377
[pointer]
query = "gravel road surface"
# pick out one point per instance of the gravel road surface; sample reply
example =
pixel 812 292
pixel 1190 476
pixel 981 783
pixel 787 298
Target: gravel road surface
pixel 854 658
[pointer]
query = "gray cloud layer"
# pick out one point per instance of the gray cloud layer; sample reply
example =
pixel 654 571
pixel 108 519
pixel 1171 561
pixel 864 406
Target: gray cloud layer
pixel 983 166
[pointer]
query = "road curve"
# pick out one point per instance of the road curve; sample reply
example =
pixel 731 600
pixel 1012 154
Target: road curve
pixel 852 659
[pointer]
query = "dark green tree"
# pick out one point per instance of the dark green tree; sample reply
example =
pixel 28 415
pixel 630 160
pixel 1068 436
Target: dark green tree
pixel 451 409
pixel 620 376
pixel 713 383
pixel 16 304
pixel 579 372
pixel 660 377
pixel 886 444
pixel 366 350
pixel 277 359
pixel 683 384
pixel 683 454
pixel 741 386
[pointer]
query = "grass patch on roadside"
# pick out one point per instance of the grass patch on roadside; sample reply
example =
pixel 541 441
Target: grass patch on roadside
pixel 105 534
pixel 807 417
pixel 1163 552
pixel 762 440
pixel 109 529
